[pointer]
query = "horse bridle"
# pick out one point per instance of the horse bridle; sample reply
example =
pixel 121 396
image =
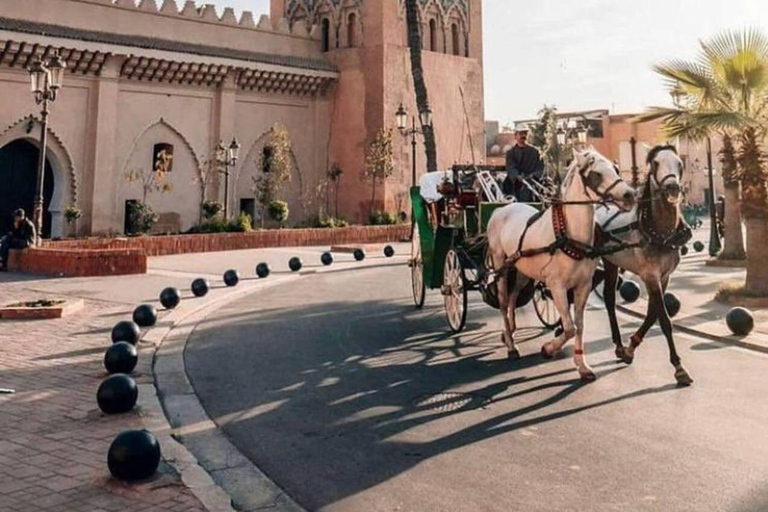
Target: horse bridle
pixel 655 171
pixel 594 187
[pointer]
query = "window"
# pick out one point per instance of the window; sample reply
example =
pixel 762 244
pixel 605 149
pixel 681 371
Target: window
pixel 326 36
pixel 266 159
pixel 432 35
pixel 162 157
pixel 455 38
pixel 351 25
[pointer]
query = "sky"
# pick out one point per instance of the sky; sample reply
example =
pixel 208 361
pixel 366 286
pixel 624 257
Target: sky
pixel 587 54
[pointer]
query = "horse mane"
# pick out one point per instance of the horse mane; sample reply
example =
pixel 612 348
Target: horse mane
pixel 654 152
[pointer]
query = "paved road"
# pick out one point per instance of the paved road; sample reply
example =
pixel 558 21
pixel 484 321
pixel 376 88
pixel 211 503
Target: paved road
pixel 353 401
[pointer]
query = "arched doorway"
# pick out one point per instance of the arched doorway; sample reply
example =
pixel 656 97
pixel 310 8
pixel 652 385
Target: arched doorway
pixel 18 172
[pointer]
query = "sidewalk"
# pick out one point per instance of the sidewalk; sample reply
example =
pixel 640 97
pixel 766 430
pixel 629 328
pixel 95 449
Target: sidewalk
pixel 53 437
pixel 695 285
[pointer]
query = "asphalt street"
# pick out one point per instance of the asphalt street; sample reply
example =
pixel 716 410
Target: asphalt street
pixel 352 400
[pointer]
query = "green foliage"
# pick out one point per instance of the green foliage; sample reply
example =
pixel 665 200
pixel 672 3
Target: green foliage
pixel 754 192
pixel 240 224
pixel 379 165
pixel 278 211
pixel 72 213
pixel 275 166
pixel 317 221
pixel 544 137
pixel 211 209
pixel 141 218
pixel 382 218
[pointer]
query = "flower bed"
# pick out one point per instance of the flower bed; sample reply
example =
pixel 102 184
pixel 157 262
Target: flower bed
pixel 43 309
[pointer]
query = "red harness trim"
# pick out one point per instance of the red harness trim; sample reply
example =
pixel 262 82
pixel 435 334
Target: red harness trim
pixel 560 226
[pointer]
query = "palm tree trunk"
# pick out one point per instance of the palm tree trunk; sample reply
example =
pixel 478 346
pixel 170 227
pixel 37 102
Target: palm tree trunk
pixel 757 248
pixel 754 207
pixel 419 85
pixel 733 243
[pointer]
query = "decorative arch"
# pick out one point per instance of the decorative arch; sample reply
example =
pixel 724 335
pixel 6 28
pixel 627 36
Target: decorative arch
pixel 243 180
pixel 177 205
pixel 166 124
pixel 65 190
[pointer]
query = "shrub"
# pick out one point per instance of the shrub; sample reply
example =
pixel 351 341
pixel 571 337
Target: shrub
pixel 382 218
pixel 323 222
pixel 211 209
pixel 72 213
pixel 278 211
pixel 141 218
pixel 241 224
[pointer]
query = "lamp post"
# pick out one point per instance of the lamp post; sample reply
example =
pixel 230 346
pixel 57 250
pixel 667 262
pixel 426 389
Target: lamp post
pixel 227 157
pixel 46 80
pixel 402 125
pixel 714 237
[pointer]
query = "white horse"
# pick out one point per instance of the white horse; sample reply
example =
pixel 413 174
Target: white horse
pixel 554 247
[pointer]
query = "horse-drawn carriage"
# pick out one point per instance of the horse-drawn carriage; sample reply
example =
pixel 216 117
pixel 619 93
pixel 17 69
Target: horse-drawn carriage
pixel 451 211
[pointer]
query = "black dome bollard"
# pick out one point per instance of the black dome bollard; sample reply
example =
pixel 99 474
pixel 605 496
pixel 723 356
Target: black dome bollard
pixel 133 455
pixel 231 278
pixel 121 357
pixel 740 321
pixel 295 264
pixel 200 287
pixel 629 291
pixel 145 315
pixel 698 246
pixel 326 259
pixel 389 251
pixel 170 298
pixel 684 250
pixel 117 394
pixel 672 303
pixel 263 270
pixel 126 331
pixel 359 254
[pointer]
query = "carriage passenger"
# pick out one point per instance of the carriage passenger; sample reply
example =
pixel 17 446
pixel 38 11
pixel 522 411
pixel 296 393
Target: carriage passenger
pixel 523 161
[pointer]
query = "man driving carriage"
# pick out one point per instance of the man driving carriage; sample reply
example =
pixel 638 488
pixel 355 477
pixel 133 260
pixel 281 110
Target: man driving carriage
pixel 523 161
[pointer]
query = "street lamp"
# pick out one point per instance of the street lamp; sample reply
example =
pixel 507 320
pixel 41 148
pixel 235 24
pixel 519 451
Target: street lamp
pixel 570 132
pixel 714 237
pixel 46 78
pixel 227 157
pixel 425 118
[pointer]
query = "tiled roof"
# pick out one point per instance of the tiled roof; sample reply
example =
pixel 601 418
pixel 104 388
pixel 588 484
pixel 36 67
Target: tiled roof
pixel 151 43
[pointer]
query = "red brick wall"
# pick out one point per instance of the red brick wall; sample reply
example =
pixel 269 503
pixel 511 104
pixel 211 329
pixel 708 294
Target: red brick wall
pixel 183 244
pixel 79 263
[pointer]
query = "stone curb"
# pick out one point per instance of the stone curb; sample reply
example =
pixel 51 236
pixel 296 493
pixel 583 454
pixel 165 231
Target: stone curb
pixel 213 469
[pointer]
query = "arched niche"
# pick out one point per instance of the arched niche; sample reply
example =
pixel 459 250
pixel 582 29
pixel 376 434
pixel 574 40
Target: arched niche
pixel 250 167
pixel 181 206
pixel 63 171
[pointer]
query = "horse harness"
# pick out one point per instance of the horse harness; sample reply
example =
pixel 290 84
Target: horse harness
pixel 574 249
pixel 652 238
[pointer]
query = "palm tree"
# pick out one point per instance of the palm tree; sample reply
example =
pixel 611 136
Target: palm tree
pixel 419 85
pixel 725 91
pixel 733 243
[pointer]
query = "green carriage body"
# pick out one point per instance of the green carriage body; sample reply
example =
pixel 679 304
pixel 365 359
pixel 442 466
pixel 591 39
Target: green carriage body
pixel 435 243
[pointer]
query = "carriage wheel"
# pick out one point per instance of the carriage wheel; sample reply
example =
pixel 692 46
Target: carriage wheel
pixel 417 269
pixel 545 308
pixel 455 292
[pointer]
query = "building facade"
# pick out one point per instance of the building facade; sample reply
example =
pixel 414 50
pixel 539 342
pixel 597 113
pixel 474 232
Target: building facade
pixel 145 77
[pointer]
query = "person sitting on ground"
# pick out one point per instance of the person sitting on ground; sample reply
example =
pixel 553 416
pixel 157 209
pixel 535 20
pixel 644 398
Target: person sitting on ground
pixel 523 162
pixel 22 236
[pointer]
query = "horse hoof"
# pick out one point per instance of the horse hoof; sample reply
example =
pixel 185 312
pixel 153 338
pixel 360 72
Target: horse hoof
pixel 623 356
pixel 545 354
pixel 588 376
pixel 683 379
pixel 513 354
